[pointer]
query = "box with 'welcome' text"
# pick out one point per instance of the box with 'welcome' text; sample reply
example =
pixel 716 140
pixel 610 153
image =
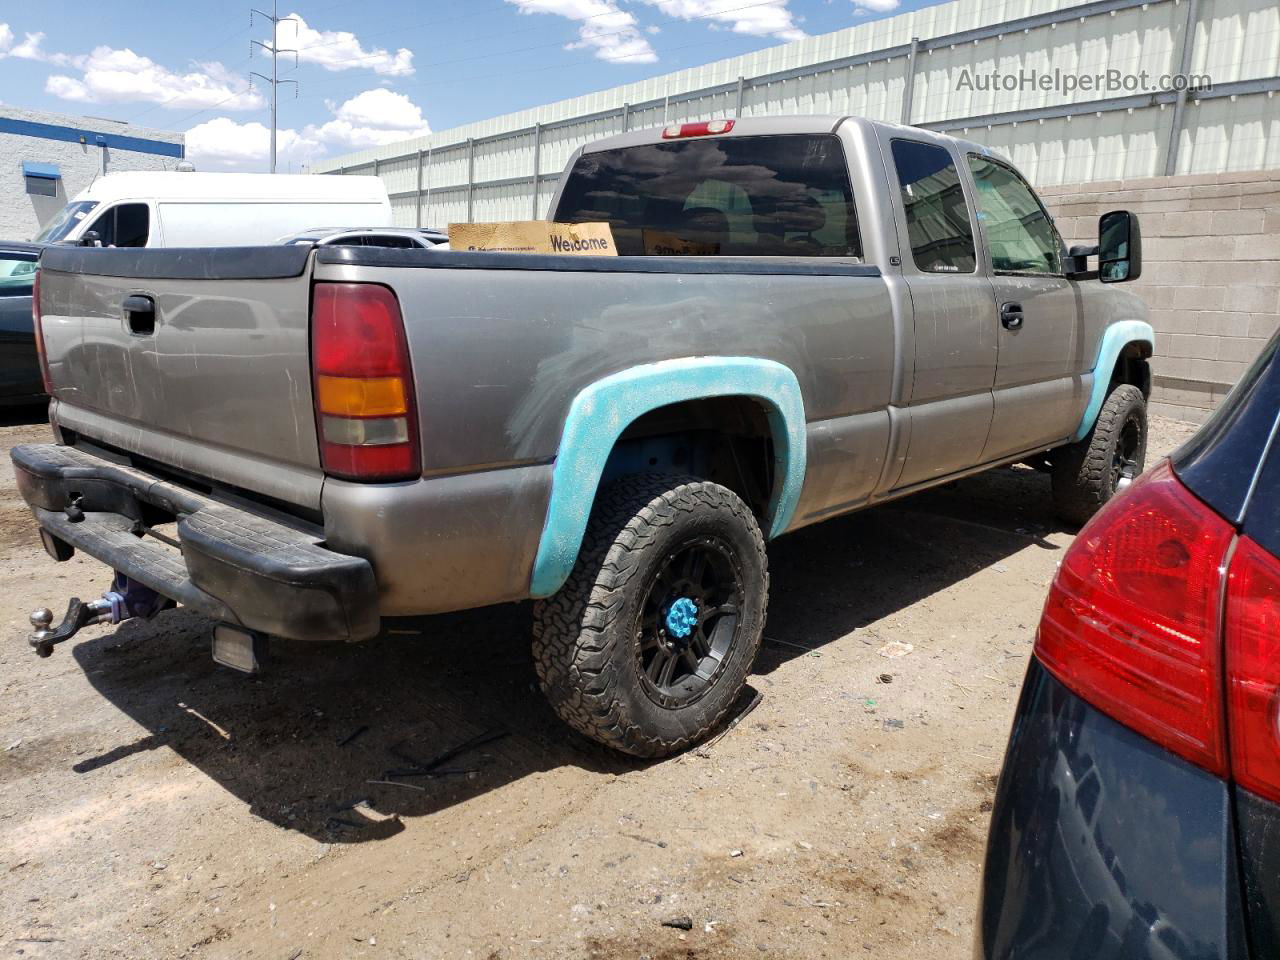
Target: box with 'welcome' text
pixel 534 236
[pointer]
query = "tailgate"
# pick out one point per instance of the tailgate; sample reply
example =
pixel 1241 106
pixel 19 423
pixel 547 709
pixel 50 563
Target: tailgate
pixel 216 383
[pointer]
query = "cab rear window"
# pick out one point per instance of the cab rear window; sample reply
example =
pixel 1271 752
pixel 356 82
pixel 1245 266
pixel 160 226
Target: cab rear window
pixel 779 196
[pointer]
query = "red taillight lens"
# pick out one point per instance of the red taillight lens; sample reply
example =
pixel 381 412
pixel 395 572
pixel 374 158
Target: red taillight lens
pixel 1253 668
pixel 1131 622
pixel 363 384
pixel 38 329
pixel 709 128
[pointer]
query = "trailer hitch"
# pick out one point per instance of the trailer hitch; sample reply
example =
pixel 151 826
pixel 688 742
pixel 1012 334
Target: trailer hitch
pixel 126 600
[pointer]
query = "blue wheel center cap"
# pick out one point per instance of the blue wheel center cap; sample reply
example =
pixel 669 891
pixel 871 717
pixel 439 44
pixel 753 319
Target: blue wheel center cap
pixel 682 617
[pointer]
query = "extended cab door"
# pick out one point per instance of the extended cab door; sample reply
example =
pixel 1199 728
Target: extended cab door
pixel 955 343
pixel 1039 393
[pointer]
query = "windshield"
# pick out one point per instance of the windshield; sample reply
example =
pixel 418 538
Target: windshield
pixel 67 220
pixel 781 196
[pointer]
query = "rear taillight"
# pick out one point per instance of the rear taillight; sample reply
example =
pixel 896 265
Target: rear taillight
pixel 1131 622
pixel 363 384
pixel 1253 668
pixel 38 328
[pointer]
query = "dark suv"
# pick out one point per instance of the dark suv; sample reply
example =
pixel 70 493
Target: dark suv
pixel 1138 812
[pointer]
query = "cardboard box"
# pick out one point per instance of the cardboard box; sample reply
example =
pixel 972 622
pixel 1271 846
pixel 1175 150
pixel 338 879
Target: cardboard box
pixel 535 236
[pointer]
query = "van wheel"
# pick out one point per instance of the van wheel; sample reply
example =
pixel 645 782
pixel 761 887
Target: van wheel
pixel 650 640
pixel 1090 472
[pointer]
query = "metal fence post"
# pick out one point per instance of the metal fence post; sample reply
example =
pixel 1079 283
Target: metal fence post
pixel 417 194
pixel 1180 104
pixel 626 117
pixel 537 167
pixel 471 175
pixel 909 87
pixel 742 82
pixel 430 154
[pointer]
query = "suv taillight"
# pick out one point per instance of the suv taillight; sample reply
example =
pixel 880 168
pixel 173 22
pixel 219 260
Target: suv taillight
pixel 38 329
pixel 1131 622
pixel 363 384
pixel 1253 668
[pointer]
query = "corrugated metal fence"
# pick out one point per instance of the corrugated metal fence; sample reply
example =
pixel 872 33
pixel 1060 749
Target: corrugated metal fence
pixel 925 71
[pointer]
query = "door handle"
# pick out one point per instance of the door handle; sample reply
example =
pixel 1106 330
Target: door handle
pixel 1011 315
pixel 140 312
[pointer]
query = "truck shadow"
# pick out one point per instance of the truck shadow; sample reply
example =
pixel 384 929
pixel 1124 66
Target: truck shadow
pixel 320 742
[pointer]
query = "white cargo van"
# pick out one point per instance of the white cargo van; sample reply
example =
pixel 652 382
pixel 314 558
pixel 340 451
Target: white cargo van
pixel 163 209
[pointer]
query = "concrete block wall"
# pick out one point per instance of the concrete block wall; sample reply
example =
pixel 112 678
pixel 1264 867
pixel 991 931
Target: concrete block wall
pixel 22 214
pixel 1211 273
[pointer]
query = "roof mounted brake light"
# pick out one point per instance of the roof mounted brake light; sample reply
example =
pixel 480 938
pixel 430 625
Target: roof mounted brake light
pixel 708 128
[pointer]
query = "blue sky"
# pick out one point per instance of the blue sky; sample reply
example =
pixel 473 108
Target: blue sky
pixel 371 72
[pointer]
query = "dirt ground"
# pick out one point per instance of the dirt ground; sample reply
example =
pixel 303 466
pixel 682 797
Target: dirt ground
pixel 153 804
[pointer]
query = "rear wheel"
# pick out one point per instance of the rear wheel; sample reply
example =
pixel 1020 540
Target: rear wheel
pixel 648 643
pixel 1090 472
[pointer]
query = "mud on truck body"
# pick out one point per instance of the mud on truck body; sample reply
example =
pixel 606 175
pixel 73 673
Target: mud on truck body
pixel 302 442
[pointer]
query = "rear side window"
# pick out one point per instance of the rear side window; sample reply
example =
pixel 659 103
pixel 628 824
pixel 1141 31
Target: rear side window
pixel 783 196
pixel 386 240
pixel 1019 232
pixel 1219 464
pixel 938 224
pixel 16 276
pixel 125 225
pixel 1262 522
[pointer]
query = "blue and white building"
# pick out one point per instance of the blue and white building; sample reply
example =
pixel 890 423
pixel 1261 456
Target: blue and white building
pixel 47 158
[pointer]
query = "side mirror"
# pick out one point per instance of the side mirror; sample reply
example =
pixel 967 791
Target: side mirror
pixel 1119 247
pixel 90 239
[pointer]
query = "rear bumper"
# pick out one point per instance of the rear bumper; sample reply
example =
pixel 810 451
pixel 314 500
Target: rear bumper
pixel 233 565
pixel 1103 845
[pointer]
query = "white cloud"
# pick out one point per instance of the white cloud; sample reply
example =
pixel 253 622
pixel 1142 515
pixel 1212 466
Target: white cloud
pixel 876 6
pixel 369 119
pixel 31 48
pixel 341 50
pixel 121 76
pixel 224 144
pixel 612 33
pixel 768 19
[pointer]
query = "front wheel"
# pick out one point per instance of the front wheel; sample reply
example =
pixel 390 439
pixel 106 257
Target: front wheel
pixel 1090 472
pixel 650 640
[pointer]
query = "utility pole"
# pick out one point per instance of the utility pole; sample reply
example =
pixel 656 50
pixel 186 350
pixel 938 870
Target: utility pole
pixel 274 79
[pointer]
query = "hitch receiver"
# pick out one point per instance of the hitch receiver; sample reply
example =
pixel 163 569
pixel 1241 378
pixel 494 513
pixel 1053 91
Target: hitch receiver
pixel 126 600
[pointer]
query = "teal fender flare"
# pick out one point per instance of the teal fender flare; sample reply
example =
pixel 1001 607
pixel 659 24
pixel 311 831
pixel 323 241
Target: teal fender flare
pixel 1114 340
pixel 604 409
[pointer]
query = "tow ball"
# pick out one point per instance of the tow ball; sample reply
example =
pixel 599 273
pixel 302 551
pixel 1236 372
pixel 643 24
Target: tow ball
pixel 126 600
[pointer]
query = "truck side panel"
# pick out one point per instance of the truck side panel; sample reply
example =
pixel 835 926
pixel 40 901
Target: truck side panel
pixel 561 330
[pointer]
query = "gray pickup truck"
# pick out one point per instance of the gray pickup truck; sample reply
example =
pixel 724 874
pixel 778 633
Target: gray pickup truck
pixel 808 316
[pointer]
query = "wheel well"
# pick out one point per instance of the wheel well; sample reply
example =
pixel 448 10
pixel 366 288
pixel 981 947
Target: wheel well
pixel 726 440
pixel 1132 367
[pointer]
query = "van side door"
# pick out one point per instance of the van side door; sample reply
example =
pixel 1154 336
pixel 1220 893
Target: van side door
pixel 955 344
pixel 1039 394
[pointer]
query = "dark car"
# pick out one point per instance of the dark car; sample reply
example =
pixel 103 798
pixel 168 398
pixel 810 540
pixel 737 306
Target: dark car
pixel 20 380
pixel 1138 812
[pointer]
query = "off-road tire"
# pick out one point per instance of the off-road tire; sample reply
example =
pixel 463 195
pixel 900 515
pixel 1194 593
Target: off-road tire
pixel 1084 473
pixel 585 637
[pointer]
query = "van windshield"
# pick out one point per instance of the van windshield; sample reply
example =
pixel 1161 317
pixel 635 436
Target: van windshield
pixel 770 196
pixel 67 220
